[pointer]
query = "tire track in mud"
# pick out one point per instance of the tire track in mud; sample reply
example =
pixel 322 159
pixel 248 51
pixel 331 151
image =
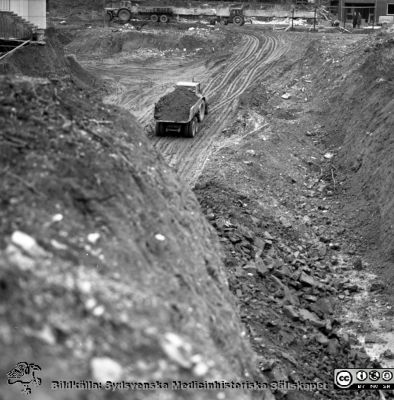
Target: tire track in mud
pixel 248 46
pixel 257 55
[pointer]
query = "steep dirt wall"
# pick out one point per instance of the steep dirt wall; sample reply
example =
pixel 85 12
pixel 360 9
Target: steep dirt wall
pixel 47 61
pixel 108 271
pixel 360 125
pixel 104 43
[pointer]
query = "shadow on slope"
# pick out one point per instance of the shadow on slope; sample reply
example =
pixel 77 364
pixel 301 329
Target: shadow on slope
pixel 108 271
pixel 362 101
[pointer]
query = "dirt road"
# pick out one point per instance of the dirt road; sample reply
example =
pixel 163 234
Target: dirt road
pixel 252 59
pixel 139 87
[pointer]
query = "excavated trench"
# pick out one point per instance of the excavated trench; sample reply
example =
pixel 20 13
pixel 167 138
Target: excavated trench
pixel 262 170
pixel 260 59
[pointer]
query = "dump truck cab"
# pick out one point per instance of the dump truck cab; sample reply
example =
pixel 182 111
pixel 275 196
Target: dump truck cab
pixel 123 10
pixel 234 11
pixel 194 86
pixel 197 89
pixel 116 5
pixel 237 15
pixel 234 14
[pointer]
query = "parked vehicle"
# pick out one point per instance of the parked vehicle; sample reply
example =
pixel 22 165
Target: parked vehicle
pixel 126 10
pixel 234 14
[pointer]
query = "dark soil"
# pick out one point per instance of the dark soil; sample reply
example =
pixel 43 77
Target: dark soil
pixel 118 263
pixel 175 106
pixel 362 135
pixel 56 65
pixel 277 206
pixel 103 42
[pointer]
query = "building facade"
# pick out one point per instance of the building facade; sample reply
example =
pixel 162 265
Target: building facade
pixel 370 10
pixel 33 11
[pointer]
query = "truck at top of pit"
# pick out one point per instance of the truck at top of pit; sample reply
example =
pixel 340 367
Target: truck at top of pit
pixel 125 10
pixel 181 111
pixel 236 14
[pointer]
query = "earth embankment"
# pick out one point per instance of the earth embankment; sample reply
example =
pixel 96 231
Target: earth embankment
pixel 362 136
pixel 103 42
pixel 110 268
pixel 48 61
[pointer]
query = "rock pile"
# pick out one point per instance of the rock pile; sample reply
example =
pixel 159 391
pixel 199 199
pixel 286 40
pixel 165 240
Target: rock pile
pixel 287 286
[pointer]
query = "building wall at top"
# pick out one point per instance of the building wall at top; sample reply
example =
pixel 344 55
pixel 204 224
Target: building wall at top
pixel 33 11
pixel 4 5
pixel 37 13
pixel 20 7
pixel 381 6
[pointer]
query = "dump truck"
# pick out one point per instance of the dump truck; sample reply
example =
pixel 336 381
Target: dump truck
pixel 233 15
pixel 181 111
pixel 125 10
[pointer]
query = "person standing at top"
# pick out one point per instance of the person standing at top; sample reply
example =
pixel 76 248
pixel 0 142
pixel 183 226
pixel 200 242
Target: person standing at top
pixel 354 19
pixel 358 20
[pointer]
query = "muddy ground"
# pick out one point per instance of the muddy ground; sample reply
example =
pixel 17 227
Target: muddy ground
pixel 284 276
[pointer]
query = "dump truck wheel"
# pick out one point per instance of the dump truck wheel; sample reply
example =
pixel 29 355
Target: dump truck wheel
pixel 192 128
pixel 154 17
pixel 201 113
pixel 124 15
pixel 109 16
pixel 164 18
pixel 159 129
pixel 223 21
pixel 238 20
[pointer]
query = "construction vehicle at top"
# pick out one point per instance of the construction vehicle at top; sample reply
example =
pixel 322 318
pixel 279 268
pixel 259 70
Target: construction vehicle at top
pixel 126 10
pixel 236 14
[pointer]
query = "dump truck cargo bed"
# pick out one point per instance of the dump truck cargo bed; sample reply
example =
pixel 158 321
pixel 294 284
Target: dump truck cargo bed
pixel 176 106
pixel 181 111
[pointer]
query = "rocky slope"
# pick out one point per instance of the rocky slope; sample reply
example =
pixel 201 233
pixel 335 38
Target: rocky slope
pixel 361 98
pixel 108 270
pixel 269 193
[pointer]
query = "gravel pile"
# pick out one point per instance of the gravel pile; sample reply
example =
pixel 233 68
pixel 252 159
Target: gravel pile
pixel 176 105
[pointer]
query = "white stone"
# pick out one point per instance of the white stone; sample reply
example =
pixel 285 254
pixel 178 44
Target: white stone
pixel 57 218
pixel 27 244
pixel 105 369
pixel 93 237
pixel 98 311
pixel 177 349
pixel 17 258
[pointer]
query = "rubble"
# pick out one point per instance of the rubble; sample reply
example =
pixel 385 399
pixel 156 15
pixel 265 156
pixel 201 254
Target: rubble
pixel 27 244
pixel 175 106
